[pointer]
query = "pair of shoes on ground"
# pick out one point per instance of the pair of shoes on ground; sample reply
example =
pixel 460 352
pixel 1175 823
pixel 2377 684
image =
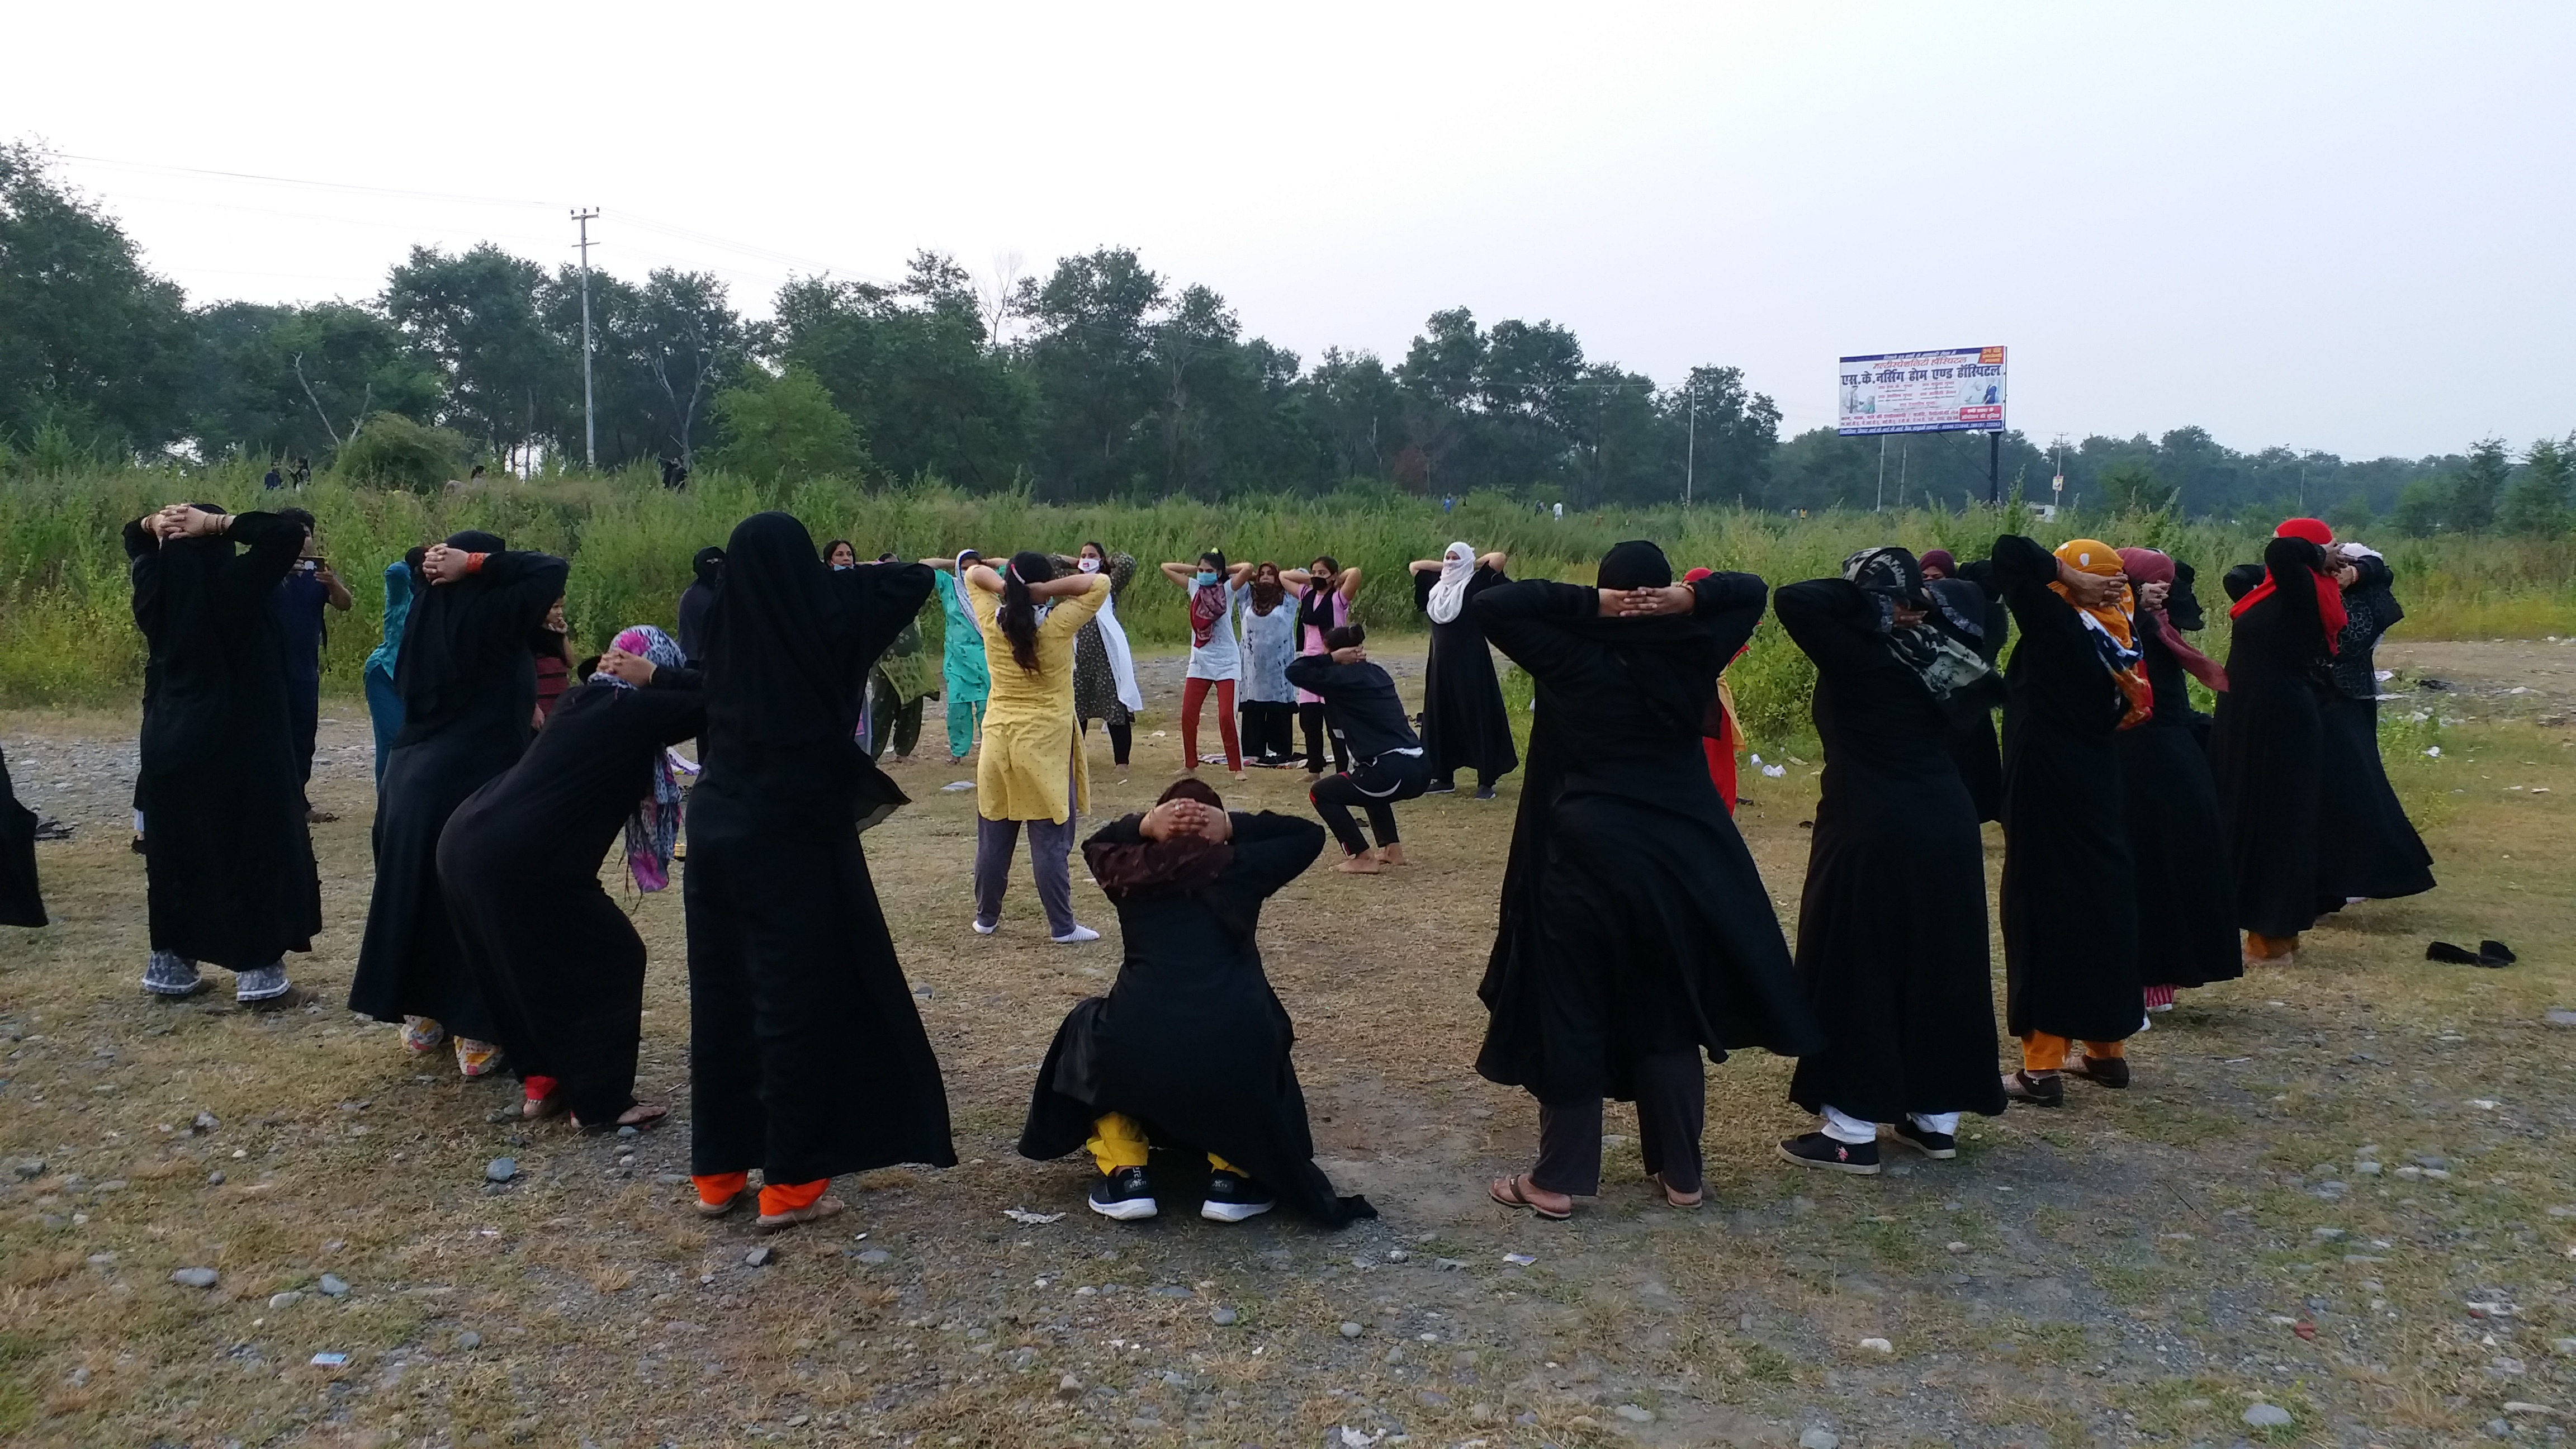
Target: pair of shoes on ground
pixel 813 1212
pixel 1127 1196
pixel 1074 937
pixel 475 1060
pixel 174 977
pixel 2048 1089
pixel 1450 787
pixel 1861 1159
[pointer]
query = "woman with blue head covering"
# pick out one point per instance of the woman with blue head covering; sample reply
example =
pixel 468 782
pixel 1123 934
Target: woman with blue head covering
pixel 559 964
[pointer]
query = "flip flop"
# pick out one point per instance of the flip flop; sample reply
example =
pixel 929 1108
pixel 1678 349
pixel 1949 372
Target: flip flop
pixel 2491 954
pixel 1685 1201
pixel 1513 1199
pixel 815 1211
pixel 646 1124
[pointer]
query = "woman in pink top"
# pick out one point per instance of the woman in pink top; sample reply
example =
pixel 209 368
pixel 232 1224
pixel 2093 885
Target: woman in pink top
pixel 1324 595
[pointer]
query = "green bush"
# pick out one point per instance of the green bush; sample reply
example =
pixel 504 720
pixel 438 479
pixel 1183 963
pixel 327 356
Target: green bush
pixel 393 451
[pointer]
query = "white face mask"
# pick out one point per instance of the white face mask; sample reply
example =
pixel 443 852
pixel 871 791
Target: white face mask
pixel 1088 565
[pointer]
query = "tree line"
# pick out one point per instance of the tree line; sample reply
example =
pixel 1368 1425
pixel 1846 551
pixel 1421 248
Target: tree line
pixel 1099 380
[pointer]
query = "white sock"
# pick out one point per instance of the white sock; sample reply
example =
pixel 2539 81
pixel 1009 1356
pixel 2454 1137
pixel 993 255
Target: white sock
pixel 1848 1129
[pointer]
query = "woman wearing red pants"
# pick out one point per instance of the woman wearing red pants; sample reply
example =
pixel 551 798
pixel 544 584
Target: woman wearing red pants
pixel 1217 595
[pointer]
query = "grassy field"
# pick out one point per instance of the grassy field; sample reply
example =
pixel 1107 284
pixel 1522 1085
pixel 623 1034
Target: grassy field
pixel 65 638
pixel 2339 1189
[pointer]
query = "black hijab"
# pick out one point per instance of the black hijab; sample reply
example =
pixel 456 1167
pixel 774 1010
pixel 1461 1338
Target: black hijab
pixel 778 671
pixel 1672 659
pixel 709 565
pixel 1943 649
pixel 447 633
pixel 183 575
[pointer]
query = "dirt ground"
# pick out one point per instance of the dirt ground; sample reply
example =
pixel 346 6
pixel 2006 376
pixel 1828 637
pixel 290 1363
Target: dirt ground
pixel 2336 1208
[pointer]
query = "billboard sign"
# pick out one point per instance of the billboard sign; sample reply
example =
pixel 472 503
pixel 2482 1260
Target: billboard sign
pixel 1959 389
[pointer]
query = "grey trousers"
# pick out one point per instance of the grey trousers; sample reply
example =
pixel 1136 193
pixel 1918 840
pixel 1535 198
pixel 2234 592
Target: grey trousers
pixel 1050 848
pixel 1672 1110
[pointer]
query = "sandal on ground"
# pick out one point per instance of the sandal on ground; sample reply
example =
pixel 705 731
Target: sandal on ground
pixel 1509 1192
pixel 708 1209
pixel 537 1108
pixel 1676 1199
pixel 815 1211
pixel 654 1116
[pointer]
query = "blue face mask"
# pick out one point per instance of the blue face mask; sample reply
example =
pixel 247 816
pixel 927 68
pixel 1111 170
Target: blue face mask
pixel 1205 578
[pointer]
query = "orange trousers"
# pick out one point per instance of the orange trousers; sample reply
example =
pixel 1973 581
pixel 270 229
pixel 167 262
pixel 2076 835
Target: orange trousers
pixel 723 1187
pixel 2043 1051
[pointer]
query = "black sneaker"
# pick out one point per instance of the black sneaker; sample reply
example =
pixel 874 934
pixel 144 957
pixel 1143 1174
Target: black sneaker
pixel 1818 1150
pixel 1126 1195
pixel 1931 1144
pixel 1485 793
pixel 1441 787
pixel 1232 1198
pixel 2048 1089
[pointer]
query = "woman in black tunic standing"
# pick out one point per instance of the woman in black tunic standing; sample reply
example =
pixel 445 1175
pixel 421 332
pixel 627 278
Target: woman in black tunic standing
pixel 228 860
pixel 1892 942
pixel 1635 932
pixel 22 901
pixel 1977 609
pixel 1464 725
pixel 469 688
pixel 2370 848
pixel 559 963
pixel 2069 898
pixel 1191 1046
pixel 807 1055
pixel 2186 903
pixel 2267 747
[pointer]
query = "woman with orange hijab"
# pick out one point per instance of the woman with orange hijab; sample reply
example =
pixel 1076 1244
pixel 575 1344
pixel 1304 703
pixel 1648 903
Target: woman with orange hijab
pixel 2070 910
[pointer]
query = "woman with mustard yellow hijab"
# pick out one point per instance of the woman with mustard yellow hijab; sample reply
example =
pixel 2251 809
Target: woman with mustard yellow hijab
pixel 2070 912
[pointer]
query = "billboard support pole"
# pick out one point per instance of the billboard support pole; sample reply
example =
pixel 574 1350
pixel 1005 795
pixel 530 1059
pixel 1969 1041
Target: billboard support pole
pixel 1994 469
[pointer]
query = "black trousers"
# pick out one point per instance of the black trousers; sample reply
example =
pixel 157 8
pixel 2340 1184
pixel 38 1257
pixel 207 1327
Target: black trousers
pixel 303 723
pixel 1374 786
pixel 1672 1110
pixel 1269 730
pixel 1312 717
pixel 1122 735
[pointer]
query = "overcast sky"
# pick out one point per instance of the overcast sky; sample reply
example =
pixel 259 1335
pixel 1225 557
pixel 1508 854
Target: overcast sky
pixel 2336 225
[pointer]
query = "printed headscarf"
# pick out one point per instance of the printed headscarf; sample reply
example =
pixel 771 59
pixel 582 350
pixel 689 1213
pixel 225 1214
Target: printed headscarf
pixel 2114 636
pixel 1449 592
pixel 653 830
pixel 1208 609
pixel 2148 566
pixel 2330 610
pixel 1934 649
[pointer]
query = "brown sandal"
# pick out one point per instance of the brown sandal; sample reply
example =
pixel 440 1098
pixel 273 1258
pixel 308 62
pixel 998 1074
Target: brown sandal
pixel 1676 1199
pixel 1508 1192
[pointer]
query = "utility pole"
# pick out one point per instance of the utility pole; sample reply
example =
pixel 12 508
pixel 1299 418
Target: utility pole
pixel 1882 474
pixel 589 428
pixel 1690 447
pixel 1994 468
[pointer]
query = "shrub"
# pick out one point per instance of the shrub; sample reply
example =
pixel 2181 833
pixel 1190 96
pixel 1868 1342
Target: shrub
pixel 392 451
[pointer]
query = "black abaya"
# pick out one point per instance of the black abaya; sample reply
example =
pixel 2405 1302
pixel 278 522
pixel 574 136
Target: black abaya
pixel 1892 944
pixel 1634 923
pixel 2186 903
pixel 469 686
pixel 558 962
pixel 1971 711
pixel 1191 1040
pixel 21 902
pixel 807 1055
pixel 1464 724
pixel 2267 748
pixel 2069 903
pixel 227 856
pixel 2367 846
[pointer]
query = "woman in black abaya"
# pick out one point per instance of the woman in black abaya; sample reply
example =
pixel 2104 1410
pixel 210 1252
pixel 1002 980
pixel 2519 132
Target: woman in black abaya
pixel 1464 724
pixel 1635 932
pixel 2370 850
pixel 469 689
pixel 21 902
pixel 2267 748
pixel 807 1056
pixel 227 858
pixel 2186 903
pixel 1190 1046
pixel 2069 898
pixel 558 961
pixel 1892 943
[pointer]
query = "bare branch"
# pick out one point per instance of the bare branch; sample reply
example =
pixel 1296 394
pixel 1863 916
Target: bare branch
pixel 317 404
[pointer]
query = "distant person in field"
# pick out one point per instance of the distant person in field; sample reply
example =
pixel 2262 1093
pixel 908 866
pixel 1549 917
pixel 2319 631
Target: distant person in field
pixel 707 568
pixel 2069 901
pixel 840 553
pixel 1267 703
pixel 1324 593
pixel 964 682
pixel 228 860
pixel 1191 1048
pixel 2186 898
pixel 384 701
pixel 273 479
pixel 469 688
pixel 1636 939
pixel 1369 727
pixel 1104 668
pixel 1217 595
pixel 1892 945
pixel 808 1055
pixel 1033 771
pixel 308 588
pixel 303 474
pixel 1464 724
pixel 558 960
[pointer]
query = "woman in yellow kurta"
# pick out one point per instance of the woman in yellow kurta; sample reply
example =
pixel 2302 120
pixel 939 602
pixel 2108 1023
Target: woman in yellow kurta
pixel 1032 769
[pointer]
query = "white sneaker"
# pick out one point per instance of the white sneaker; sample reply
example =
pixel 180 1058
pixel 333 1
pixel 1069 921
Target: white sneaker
pixel 986 928
pixel 1076 936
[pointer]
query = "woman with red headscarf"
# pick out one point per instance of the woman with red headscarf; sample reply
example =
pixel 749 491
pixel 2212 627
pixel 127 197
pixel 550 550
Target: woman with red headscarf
pixel 2266 747
pixel 2186 927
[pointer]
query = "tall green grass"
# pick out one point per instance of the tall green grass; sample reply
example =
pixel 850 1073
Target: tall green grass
pixel 66 636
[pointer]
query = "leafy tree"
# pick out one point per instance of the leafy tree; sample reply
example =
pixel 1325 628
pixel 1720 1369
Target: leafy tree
pixel 2130 487
pixel 2420 508
pixel 2477 487
pixel 282 381
pixel 2536 503
pixel 476 316
pixel 1357 412
pixel 786 428
pixel 1733 440
pixel 88 338
pixel 393 450
pixel 1089 357
pixel 2350 516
